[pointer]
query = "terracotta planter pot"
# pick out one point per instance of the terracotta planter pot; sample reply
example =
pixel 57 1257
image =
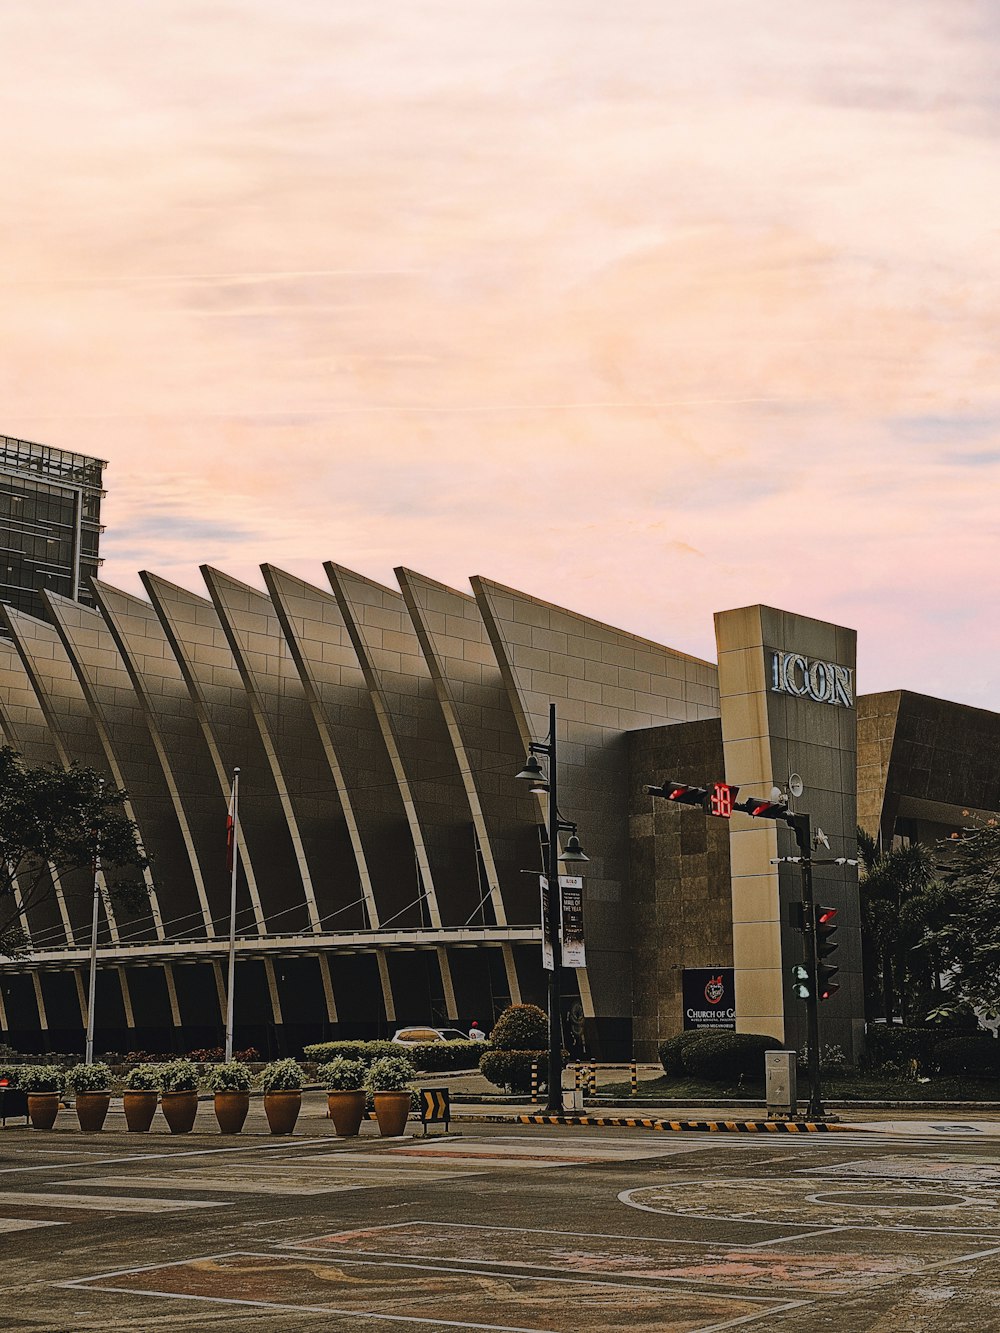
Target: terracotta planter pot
pixel 179 1110
pixel 92 1110
pixel 347 1110
pixel 140 1107
pixel 231 1110
pixel 42 1108
pixel 282 1110
pixel 392 1110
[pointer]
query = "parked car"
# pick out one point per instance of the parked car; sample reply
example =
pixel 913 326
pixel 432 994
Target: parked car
pixel 421 1036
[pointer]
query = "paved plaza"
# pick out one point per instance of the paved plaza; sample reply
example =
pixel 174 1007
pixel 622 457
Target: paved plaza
pixel 499 1227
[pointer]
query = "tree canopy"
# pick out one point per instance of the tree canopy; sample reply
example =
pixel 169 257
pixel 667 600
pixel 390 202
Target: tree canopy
pixel 52 822
pixel 964 929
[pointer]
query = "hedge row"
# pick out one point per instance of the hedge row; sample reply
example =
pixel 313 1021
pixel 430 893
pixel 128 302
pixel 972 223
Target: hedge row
pixel 512 1069
pixel 718 1057
pixel 432 1056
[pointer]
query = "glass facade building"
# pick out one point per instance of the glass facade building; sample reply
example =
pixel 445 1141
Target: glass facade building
pixel 50 523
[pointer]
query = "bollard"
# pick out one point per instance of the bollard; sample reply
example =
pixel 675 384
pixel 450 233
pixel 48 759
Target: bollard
pixel 593 1078
pixel 634 1077
pixel 534 1082
pixel 576 1077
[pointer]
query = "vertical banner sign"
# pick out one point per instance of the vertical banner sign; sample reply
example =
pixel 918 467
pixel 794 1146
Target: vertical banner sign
pixel 571 920
pixel 548 961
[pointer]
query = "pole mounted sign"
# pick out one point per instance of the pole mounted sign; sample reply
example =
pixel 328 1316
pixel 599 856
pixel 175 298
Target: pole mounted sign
pixel 709 999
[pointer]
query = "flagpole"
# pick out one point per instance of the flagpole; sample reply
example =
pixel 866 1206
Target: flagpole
pixel 234 857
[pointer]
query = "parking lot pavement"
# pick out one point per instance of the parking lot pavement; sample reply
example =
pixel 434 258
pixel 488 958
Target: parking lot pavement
pixel 547 1229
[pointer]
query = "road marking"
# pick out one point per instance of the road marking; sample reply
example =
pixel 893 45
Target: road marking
pixel 683 1311
pixel 25 1223
pixel 769 1204
pixel 193 1181
pixel 117 1203
pixel 155 1157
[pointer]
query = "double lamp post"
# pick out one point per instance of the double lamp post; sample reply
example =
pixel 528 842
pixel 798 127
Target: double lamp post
pixel 545 781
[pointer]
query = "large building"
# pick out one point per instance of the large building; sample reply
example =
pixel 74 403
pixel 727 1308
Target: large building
pixel 50 523
pixel 389 859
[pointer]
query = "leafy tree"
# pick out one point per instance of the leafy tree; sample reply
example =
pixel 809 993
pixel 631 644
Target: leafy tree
pixel 898 900
pixel 964 928
pixel 52 821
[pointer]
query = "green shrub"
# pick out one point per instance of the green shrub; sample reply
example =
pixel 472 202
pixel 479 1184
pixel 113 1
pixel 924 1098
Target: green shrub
pixel 231 1076
pixel 353 1050
pixel 41 1078
pixel 143 1078
pixel 722 1057
pixel 342 1074
pixel 512 1069
pixel 522 1027
pixel 178 1076
pixel 437 1055
pixel 974 1056
pixel 389 1073
pixel 88 1078
pixel 671 1051
pixel 281 1076
pixel 893 1044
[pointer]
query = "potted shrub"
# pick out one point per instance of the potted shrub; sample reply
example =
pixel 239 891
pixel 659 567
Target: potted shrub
pixel 282 1084
pixel 43 1084
pixel 344 1079
pixel 91 1089
pixel 179 1098
pixel 388 1080
pixel 141 1092
pixel 231 1084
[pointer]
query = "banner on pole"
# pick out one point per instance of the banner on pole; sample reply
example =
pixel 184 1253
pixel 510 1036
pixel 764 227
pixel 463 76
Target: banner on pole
pixel 571 920
pixel 548 960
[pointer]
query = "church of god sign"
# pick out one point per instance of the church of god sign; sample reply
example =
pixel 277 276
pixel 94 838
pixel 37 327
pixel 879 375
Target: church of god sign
pixel 823 682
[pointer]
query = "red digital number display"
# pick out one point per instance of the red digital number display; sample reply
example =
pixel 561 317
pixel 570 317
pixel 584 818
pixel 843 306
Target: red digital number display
pixel 720 801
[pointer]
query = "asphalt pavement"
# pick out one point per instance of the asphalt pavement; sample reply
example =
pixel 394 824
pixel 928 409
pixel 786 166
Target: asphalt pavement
pixel 501 1227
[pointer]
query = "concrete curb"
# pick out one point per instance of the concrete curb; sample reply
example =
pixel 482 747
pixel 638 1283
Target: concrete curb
pixel 668 1126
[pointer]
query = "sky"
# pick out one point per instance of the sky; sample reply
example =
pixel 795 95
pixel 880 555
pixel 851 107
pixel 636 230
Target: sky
pixel 649 309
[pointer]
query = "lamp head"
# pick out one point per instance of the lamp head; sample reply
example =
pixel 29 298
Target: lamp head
pixel 573 851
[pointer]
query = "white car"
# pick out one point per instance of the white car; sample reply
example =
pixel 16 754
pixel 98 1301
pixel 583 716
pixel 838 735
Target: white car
pixel 422 1036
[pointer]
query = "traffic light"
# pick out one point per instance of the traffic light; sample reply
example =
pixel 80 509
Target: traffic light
pixel 801 982
pixel 825 945
pixel 763 808
pixel 681 793
pixel 718 800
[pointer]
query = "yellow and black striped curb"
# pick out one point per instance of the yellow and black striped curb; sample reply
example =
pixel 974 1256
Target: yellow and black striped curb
pixel 672 1126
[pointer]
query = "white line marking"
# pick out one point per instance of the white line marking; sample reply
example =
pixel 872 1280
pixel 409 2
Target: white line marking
pixel 341 1261
pixel 153 1157
pixel 314 1309
pixel 113 1203
pixel 784 1240
pixel 750 1318
pixel 744 1219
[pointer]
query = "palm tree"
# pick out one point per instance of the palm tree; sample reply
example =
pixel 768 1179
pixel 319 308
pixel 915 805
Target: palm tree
pixel 895 888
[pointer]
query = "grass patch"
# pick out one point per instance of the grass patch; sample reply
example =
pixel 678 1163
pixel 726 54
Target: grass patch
pixel 871 1087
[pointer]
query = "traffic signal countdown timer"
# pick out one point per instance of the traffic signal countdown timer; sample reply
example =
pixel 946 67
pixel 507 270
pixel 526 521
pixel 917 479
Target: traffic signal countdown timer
pixel 718 800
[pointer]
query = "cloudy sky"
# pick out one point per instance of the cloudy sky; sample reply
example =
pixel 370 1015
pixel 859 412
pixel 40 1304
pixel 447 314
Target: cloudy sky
pixel 649 309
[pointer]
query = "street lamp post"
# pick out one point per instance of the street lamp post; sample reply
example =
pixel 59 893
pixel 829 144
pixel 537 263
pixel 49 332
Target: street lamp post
pixel 541 783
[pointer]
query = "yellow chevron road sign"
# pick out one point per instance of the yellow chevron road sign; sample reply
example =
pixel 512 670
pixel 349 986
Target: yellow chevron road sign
pixel 435 1107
